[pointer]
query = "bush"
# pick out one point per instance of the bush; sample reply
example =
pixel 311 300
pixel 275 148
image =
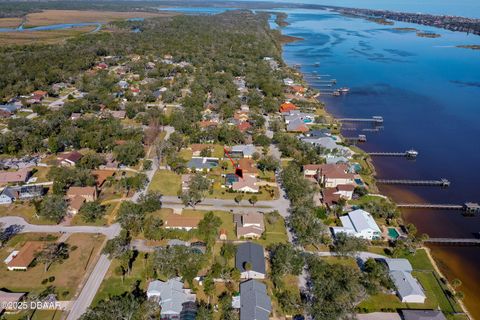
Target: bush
pixel 51 279
pixel 44 281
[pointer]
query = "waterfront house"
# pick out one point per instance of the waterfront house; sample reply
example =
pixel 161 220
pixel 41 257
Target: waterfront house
pixel 360 224
pixel 255 304
pixel 25 256
pixel 331 196
pixel 173 299
pixel 408 288
pixel 250 261
pixel 249 225
pixel 422 315
pixel 330 175
pixel 297 125
pixel 202 163
pixel 287 107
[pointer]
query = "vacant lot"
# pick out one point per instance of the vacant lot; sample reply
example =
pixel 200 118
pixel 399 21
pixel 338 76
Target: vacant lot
pixel 48 17
pixel 68 275
pixel 166 182
pixel 24 210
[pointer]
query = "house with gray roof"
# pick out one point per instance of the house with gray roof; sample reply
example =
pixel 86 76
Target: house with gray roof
pixel 200 164
pixel 255 304
pixel 398 264
pixel 250 260
pixel 423 315
pixel 242 151
pixel 171 296
pixel 408 288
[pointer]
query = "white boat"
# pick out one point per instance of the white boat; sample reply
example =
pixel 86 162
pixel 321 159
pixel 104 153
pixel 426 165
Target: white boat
pixel 344 90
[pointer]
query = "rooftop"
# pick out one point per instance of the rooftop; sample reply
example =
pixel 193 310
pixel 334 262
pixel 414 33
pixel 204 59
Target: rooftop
pixel 251 253
pixel 255 304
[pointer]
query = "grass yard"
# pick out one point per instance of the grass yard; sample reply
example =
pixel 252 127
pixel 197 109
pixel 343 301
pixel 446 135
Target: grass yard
pixel 274 233
pixel 113 285
pixel 41 174
pixel 24 210
pixel 68 275
pixel 166 182
pixel 37 315
pixel 428 278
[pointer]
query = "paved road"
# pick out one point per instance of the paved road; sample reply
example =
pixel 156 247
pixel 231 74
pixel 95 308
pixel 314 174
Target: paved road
pixel 155 165
pixel 81 304
pixel 110 232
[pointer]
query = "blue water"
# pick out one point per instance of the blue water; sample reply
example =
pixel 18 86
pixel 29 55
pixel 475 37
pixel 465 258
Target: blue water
pixel 60 26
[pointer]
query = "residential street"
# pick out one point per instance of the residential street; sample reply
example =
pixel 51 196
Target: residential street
pixel 110 232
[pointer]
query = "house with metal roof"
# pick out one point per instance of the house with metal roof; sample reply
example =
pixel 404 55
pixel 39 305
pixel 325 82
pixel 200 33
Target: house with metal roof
pixel 423 315
pixel 360 224
pixel 171 296
pixel 255 304
pixel 408 288
pixel 398 264
pixel 250 260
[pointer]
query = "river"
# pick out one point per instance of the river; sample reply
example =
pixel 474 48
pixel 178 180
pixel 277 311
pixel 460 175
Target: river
pixel 428 92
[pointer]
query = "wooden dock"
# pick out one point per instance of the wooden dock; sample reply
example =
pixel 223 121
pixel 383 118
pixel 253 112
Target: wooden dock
pixel 430 206
pixel 454 241
pixel 411 154
pixel 374 119
pixel 440 183
pixel 468 207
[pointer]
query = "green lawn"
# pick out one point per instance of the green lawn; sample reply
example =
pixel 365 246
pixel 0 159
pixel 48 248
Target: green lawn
pixel 113 285
pixel 68 274
pixel 274 233
pixel 24 210
pixel 427 276
pixel 166 182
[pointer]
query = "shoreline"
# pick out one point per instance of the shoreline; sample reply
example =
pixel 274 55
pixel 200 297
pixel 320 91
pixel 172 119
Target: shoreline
pixel 369 162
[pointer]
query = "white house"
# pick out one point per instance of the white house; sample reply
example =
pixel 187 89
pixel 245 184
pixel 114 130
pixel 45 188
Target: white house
pixel 360 224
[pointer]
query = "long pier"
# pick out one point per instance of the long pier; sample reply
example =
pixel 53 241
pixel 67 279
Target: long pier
pixel 431 206
pixel 374 119
pixel 468 207
pixel 455 241
pixel 409 154
pixel 440 183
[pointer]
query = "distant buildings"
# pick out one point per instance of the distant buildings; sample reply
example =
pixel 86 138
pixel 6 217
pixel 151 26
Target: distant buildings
pixel 250 260
pixel 360 224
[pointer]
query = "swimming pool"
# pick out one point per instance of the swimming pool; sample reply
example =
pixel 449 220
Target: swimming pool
pixel 393 233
